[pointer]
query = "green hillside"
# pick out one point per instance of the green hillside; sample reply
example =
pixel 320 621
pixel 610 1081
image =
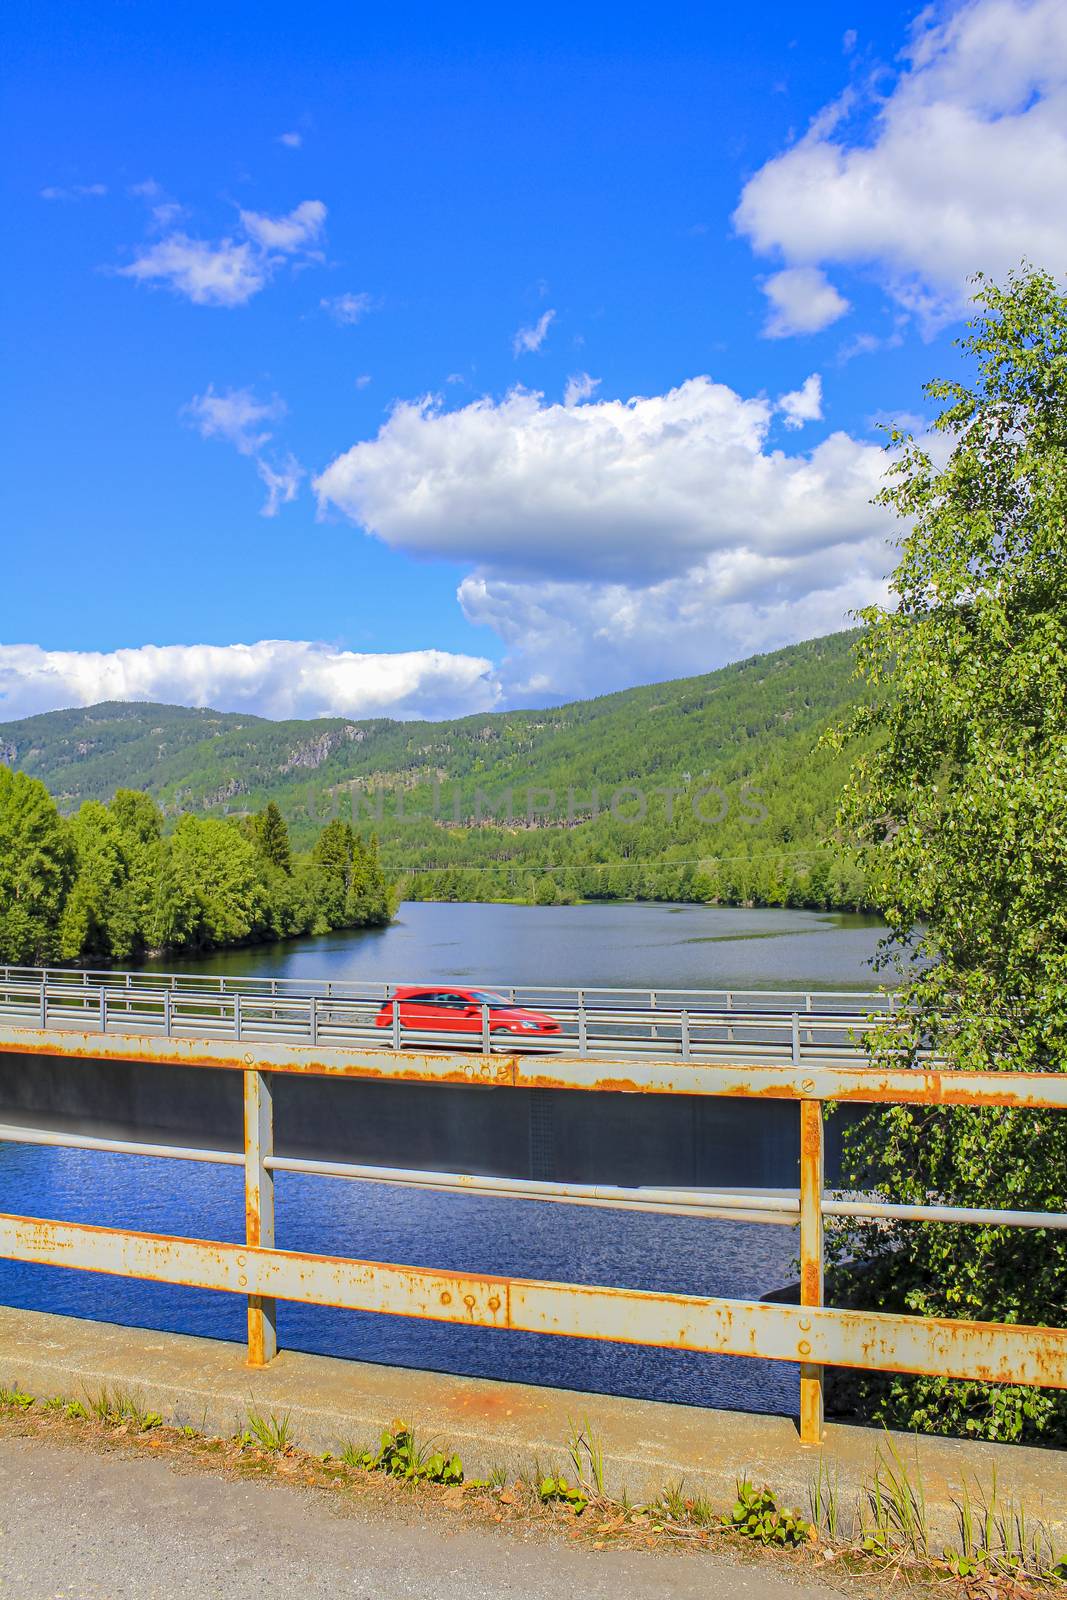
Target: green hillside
pixel 523 799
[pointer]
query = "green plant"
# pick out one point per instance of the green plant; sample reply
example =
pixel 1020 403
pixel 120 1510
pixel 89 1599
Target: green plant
pixel 75 1410
pixel 16 1399
pixel 401 1456
pixel 898 1508
pixel 824 1501
pixel 269 1433
pixel 587 1457
pixel 757 1515
pixel 117 1406
pixel 558 1489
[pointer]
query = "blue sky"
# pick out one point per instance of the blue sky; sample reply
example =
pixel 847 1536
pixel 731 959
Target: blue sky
pixel 561 335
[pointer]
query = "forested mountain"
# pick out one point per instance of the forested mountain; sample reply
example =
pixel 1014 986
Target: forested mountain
pixel 568 802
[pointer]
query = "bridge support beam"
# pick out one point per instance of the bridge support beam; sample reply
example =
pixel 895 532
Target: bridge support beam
pixel 811 1259
pixel 259 1209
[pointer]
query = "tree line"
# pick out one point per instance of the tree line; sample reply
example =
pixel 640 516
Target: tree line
pixel 107 884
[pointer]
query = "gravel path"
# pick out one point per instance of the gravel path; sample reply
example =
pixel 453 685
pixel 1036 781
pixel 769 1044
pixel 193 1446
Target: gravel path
pixel 76 1524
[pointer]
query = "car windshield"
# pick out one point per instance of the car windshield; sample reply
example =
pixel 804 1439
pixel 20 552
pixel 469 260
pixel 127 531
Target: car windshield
pixel 482 997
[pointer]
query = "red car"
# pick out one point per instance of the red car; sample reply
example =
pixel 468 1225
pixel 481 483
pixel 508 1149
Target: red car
pixel 460 1011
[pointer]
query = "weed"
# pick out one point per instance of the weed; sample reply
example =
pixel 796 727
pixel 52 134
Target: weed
pixel 401 1456
pixel 898 1507
pixel 75 1410
pixel 757 1515
pixel 117 1407
pixel 824 1502
pixel 16 1399
pixel 557 1488
pixel 587 1451
pixel 270 1433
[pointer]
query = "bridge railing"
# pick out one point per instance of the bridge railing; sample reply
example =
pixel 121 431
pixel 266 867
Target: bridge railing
pixel 813 1334
pixel 692 1025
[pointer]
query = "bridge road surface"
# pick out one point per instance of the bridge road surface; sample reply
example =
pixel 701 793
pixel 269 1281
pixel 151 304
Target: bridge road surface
pixel 76 1524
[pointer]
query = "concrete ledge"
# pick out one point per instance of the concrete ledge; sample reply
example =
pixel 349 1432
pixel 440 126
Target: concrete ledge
pixel 647 1444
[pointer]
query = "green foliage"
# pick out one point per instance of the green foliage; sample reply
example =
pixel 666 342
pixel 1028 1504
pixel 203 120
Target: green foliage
pixel 400 1455
pixel 958 799
pixel 435 793
pixel 560 1489
pixel 108 885
pixel 36 867
pixel 757 1515
pixel 15 1399
pixel 268 1432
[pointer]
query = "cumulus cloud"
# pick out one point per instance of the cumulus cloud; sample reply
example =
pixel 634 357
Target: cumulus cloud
pixel 803 300
pixel 272 678
pixel 529 339
pixel 289 234
pixel 622 490
pixel 571 640
pixel 615 541
pixel 234 415
pixel 961 167
pixel 225 272
pixel 803 404
pixel 348 309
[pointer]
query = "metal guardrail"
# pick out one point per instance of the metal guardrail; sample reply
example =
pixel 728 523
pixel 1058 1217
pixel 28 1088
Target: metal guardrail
pixel 695 1025
pixel 811 1333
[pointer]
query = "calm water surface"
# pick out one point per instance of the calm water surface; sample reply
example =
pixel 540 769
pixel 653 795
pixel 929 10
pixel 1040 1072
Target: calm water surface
pixel 666 946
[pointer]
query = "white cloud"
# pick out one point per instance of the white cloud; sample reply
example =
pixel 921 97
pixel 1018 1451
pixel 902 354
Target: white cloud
pixel 628 491
pixel 291 141
pixel 961 167
pixel 571 640
pixel 76 191
pixel 348 308
pixel 282 483
pixel 289 234
pixel 614 541
pixel 272 678
pixel 580 386
pixel 235 415
pixel 803 404
pixel 230 271
pixel 803 300
pixel 530 339
pixel 222 274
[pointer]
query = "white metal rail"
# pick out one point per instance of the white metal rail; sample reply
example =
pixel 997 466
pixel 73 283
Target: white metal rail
pixel 714 1026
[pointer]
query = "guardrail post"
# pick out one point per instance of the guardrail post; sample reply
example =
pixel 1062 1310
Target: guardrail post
pixel 811 1260
pixel 796 1038
pixel 237 1016
pixel 396 1023
pixel 167 1019
pixel 259 1209
pixel 583 1025
pixel 103 1010
pixel 486 1043
pixel 44 1003
pixel 686 1049
pixel 314 1020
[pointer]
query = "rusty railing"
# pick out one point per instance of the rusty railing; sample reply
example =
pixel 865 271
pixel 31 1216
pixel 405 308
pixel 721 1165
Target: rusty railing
pixel 812 1334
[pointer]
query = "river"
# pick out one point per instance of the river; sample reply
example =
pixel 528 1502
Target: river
pixel 640 945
